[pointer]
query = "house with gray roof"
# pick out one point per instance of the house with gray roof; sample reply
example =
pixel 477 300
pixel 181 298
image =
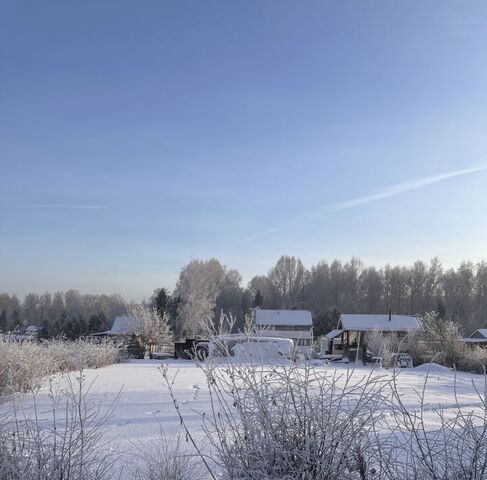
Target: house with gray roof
pixel 349 338
pixel 294 324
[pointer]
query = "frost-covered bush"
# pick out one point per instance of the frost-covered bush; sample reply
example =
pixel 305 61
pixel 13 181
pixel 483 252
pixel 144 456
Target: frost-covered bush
pixel 166 459
pixel 23 365
pixel 296 422
pixel 289 422
pixel 58 446
pixel 474 360
pixel 383 345
pixel 456 449
pixel 442 338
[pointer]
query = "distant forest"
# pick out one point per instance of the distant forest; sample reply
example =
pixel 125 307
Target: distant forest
pixel 205 288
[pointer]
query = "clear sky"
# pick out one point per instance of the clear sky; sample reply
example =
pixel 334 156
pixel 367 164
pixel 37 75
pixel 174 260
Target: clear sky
pixel 135 136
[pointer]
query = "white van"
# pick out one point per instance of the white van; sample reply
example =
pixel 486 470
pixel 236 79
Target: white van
pixel 249 347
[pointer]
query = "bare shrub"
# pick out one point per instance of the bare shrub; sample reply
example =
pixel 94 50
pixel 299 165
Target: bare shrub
pixel 296 422
pixel 165 460
pixel 64 444
pixel 455 450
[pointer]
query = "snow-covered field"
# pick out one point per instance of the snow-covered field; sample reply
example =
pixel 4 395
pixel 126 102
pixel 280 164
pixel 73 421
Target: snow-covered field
pixel 144 406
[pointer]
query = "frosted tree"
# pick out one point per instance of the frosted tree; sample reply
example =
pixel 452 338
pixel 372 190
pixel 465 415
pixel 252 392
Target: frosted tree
pixel 288 277
pixel 199 285
pixel 149 327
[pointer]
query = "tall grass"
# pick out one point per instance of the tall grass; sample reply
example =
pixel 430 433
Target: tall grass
pixel 24 365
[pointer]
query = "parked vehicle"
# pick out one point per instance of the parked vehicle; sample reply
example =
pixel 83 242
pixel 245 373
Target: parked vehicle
pixel 249 346
pixel 191 347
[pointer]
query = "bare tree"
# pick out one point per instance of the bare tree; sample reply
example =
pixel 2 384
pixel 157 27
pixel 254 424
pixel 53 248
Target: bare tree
pixel 288 277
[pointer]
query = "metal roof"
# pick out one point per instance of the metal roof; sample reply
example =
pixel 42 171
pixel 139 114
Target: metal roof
pixel 334 334
pixel 283 317
pixel 365 322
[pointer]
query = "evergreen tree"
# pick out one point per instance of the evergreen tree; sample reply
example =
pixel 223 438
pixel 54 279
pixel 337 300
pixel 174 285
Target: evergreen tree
pixel 160 300
pixel 441 310
pixel 43 332
pixel 333 315
pixel 59 326
pixel 94 325
pixel 258 300
pixel 82 327
pixel 72 330
pixel 321 325
pixel 3 321
pixel 16 321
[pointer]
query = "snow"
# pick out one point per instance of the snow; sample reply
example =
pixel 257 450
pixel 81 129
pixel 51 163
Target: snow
pixel 259 351
pixel 145 406
pixel 366 322
pixel 333 334
pixel 432 368
pixel 283 317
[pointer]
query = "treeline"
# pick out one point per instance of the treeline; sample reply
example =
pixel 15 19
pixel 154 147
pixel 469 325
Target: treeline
pixel 63 313
pixel 206 287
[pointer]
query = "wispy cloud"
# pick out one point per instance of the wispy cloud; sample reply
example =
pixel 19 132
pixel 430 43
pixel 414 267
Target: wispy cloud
pixel 264 232
pixel 67 206
pixel 381 194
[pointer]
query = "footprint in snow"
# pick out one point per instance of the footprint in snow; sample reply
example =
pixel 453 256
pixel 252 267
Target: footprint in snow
pixel 153 413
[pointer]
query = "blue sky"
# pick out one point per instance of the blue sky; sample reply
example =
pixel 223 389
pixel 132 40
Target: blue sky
pixel 135 136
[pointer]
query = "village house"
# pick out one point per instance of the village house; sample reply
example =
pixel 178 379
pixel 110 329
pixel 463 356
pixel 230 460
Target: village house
pixel 350 337
pixel 294 324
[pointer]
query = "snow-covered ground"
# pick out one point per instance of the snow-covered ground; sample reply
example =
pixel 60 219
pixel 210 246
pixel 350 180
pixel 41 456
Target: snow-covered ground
pixel 145 407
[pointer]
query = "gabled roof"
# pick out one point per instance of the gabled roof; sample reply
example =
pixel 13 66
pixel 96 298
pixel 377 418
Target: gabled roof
pixel 123 325
pixel 334 334
pixel 282 317
pixel 364 322
pixel 480 333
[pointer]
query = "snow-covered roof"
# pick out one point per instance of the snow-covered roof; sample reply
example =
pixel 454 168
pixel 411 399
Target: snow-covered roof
pixel 479 334
pixel 282 317
pixel 475 340
pixel 30 329
pixel 333 334
pixel 365 322
pixel 123 325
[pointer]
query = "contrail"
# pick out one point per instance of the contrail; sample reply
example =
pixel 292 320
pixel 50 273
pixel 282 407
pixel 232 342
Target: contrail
pixel 386 192
pixel 403 187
